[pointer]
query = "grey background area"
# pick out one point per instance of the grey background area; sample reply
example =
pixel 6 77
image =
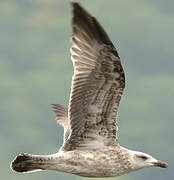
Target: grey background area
pixel 36 70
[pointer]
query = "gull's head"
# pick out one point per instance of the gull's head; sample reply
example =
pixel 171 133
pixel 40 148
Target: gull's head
pixel 141 160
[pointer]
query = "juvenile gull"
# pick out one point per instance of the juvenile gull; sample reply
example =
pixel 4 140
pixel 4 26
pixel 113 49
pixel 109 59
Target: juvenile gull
pixel 90 145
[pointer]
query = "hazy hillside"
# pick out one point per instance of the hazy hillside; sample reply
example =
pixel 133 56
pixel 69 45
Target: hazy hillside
pixel 36 70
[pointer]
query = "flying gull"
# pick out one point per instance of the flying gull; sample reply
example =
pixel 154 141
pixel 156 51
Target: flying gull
pixel 90 147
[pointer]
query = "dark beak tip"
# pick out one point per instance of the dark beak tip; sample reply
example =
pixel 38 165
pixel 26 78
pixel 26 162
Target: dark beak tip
pixel 161 164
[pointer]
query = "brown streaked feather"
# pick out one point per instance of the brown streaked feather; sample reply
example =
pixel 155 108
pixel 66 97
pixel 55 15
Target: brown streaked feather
pixel 61 114
pixel 97 84
pixel 62 118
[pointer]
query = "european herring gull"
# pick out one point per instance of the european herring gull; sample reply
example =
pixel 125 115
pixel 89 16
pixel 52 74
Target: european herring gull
pixel 90 145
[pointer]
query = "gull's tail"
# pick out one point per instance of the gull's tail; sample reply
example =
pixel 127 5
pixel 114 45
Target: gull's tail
pixel 29 163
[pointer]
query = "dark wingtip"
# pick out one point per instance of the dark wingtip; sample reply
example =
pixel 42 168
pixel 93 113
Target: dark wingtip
pixel 86 21
pixel 78 10
pixel 75 5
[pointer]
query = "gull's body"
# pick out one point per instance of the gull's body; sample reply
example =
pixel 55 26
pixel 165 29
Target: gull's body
pixel 90 144
pixel 108 162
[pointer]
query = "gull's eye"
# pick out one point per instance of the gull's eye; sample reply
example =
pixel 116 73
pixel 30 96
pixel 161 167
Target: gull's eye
pixel 143 157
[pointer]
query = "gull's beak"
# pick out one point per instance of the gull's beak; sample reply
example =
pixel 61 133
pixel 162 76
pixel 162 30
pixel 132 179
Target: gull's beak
pixel 160 164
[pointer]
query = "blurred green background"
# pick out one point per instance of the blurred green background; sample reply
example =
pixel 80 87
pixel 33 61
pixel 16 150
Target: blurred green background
pixel 36 70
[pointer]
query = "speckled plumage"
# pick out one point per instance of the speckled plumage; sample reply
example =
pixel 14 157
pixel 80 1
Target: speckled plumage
pixel 107 162
pixel 90 145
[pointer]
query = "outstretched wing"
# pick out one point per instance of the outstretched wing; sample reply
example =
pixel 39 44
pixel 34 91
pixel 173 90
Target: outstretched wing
pixel 62 119
pixel 97 84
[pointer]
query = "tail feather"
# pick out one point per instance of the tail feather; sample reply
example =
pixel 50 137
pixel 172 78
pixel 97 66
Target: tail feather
pixel 27 163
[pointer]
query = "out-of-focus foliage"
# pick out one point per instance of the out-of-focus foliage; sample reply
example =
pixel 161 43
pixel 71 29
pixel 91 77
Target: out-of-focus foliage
pixel 35 71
